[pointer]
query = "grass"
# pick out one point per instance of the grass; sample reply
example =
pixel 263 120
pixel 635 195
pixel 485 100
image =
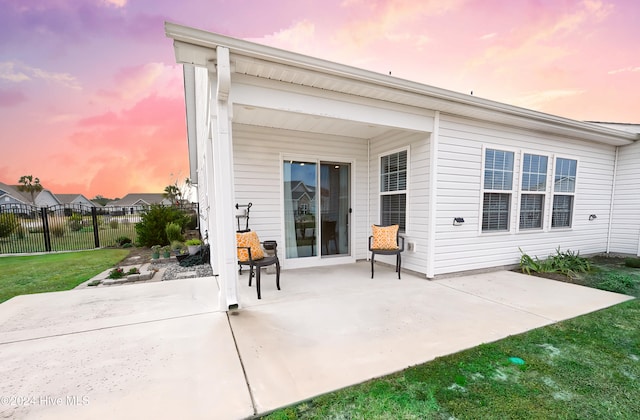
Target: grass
pixel 586 367
pixel 53 272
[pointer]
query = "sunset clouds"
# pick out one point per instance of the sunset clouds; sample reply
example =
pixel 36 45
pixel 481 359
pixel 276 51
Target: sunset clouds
pixel 91 99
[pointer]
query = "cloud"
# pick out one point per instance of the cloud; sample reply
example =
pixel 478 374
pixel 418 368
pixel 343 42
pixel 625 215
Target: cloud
pixel 11 97
pixel 488 36
pixel 630 69
pixel 381 19
pixel 137 82
pixel 18 72
pixel 537 99
pixel 299 36
pixel 115 3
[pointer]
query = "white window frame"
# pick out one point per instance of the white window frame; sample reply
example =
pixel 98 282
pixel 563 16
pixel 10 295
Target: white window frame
pixel 405 191
pixel 514 179
pixel 544 193
pixel 572 194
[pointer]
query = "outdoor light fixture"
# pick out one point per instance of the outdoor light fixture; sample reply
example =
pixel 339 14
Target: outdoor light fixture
pixel 457 221
pixel 592 217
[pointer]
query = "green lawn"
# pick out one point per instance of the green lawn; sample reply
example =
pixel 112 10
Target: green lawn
pixel 53 272
pixel 583 368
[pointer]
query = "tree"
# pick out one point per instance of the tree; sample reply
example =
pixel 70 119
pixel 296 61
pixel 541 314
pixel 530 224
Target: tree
pixel 173 193
pixel 101 199
pixel 30 185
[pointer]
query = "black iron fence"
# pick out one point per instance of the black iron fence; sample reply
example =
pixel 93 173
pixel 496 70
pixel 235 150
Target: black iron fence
pixel 67 227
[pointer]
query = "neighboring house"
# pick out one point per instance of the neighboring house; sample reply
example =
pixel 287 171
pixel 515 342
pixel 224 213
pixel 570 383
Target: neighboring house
pixel 135 203
pixel 394 151
pixel 10 194
pixel 12 200
pixel 75 199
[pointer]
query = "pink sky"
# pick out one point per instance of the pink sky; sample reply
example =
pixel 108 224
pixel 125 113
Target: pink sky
pixel 91 99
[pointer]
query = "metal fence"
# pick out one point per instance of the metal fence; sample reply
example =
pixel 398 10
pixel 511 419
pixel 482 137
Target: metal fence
pixel 67 227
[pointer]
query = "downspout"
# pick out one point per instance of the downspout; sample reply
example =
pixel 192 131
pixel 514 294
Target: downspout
pixel 613 192
pixel 368 185
pixel 433 196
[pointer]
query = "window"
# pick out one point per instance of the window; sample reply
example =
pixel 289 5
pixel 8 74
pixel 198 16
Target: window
pixel 393 189
pixel 498 189
pixel 534 185
pixel 564 188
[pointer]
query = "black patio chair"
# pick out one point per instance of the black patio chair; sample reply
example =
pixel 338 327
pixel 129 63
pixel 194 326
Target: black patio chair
pixel 255 265
pixel 396 250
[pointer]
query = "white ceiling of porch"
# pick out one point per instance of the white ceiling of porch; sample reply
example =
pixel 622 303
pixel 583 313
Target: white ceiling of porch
pixel 272 118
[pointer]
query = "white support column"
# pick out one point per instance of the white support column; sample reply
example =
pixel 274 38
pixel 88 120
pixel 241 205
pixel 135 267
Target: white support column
pixel 223 185
pixel 433 196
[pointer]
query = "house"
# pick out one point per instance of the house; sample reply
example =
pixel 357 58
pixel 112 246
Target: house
pixel 77 199
pixel 470 181
pixel 10 194
pixel 135 203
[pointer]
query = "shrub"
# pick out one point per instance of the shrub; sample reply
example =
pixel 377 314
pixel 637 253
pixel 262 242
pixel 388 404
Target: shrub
pixel 151 229
pixel 123 240
pixel 57 228
pixel 113 224
pixel 567 263
pixel 75 222
pixel 116 273
pixel 8 224
pixel 633 262
pixel 174 232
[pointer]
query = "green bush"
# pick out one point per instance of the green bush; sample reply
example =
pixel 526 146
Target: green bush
pixel 633 262
pixel 57 228
pixel 123 240
pixel 174 232
pixel 567 263
pixel 8 224
pixel 113 224
pixel 151 229
pixel 617 282
pixel 75 222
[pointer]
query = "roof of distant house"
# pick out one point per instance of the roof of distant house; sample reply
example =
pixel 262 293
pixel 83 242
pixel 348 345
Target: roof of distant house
pixel 137 199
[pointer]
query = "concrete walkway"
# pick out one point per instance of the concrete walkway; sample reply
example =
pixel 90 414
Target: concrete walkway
pixel 163 350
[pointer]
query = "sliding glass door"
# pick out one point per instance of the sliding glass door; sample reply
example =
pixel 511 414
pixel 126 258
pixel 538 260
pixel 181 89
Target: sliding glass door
pixel 316 220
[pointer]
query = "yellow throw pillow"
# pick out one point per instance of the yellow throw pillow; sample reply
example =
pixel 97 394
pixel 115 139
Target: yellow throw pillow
pixel 251 240
pixel 385 237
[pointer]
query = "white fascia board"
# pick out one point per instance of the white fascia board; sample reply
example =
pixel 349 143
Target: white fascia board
pixel 457 102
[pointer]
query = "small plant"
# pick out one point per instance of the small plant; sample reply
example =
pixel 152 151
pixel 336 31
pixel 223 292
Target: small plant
pixel 166 251
pixel 57 229
pixel 174 232
pixel 567 263
pixel 123 240
pixel 633 262
pixel 133 270
pixel 155 251
pixel 116 273
pixel 113 223
pixel 193 242
pixel 75 222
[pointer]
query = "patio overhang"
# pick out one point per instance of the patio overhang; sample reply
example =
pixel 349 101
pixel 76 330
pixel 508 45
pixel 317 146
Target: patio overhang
pixel 197 47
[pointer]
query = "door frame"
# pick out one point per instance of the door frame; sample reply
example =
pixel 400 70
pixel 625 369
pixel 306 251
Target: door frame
pixel 318 260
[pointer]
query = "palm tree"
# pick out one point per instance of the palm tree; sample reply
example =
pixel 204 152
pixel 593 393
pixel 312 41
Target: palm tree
pixel 31 185
pixel 172 192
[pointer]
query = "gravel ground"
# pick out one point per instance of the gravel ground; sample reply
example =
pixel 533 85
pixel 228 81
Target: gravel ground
pixel 172 269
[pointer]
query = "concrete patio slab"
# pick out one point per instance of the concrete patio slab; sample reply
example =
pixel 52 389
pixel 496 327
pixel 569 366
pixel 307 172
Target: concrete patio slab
pixel 322 332
pixel 163 350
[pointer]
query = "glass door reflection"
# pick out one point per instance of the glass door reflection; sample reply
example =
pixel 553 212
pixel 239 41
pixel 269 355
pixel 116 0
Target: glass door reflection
pixel 335 213
pixel 300 209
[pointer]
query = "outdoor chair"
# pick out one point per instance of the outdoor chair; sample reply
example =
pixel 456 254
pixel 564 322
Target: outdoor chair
pixel 386 240
pixel 251 253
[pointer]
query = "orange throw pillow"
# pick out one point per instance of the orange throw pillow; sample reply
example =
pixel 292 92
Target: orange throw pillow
pixel 251 240
pixel 385 237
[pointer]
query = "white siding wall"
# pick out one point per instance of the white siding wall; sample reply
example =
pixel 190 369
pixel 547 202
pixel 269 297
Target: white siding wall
pixel 625 226
pixel 257 160
pixel 418 193
pixel 460 248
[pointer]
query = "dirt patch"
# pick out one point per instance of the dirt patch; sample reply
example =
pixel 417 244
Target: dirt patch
pixel 137 255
